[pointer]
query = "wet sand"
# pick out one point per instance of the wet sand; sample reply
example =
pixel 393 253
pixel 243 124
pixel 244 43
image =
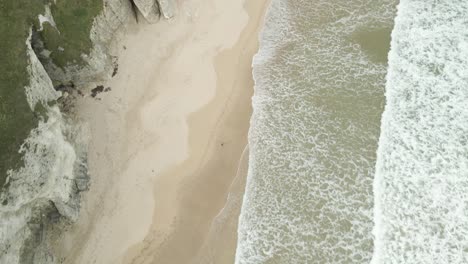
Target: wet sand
pixel 167 140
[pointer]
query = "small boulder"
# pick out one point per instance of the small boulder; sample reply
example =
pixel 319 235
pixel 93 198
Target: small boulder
pixel 167 8
pixel 149 9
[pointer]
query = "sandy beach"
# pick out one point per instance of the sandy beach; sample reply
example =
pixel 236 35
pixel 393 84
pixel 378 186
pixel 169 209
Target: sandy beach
pixel 168 146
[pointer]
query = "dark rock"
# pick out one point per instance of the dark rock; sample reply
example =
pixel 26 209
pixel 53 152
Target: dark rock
pixel 116 69
pixel 97 90
pixel 65 87
pixel 134 10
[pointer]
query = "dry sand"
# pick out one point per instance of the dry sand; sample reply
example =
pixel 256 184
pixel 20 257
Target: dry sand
pixel 166 141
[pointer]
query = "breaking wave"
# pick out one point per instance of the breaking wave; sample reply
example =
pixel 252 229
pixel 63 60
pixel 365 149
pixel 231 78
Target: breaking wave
pixel 421 182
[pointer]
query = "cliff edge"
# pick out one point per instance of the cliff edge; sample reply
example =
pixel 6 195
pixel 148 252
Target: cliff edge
pixel 45 192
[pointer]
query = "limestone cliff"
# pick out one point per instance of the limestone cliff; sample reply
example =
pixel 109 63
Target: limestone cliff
pixel 49 182
pixel 47 189
pixel 166 8
pixel 99 64
pixel 149 9
pixel 152 10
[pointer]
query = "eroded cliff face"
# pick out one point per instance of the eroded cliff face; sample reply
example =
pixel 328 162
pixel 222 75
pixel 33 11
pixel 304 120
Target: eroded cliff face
pixel 47 189
pixel 149 9
pixel 167 8
pixel 48 182
pixel 99 63
pixel 152 10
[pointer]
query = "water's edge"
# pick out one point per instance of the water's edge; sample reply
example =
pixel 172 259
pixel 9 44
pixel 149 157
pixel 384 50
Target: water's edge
pixel 319 92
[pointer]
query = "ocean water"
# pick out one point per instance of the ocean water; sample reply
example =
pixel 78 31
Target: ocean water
pixel 421 182
pixel 319 96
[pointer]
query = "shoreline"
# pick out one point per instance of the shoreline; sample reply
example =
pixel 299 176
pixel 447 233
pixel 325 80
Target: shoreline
pixel 158 147
pixel 203 174
pixel 221 241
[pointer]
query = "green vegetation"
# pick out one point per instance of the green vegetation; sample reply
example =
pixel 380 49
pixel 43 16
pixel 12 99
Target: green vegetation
pixel 16 118
pixel 74 20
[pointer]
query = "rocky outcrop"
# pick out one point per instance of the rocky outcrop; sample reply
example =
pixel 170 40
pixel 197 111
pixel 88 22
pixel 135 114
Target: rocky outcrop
pixel 152 10
pixel 47 189
pixel 167 8
pixel 47 183
pixel 98 65
pixel 149 9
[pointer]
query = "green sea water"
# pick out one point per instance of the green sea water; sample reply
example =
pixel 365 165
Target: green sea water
pixel 319 95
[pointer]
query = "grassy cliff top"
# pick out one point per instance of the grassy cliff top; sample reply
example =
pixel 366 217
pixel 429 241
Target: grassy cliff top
pixel 71 38
pixel 74 20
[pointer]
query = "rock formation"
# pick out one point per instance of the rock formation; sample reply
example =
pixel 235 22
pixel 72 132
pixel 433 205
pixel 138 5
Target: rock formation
pixel 166 8
pixel 49 181
pixel 47 188
pixel 149 9
pixel 152 10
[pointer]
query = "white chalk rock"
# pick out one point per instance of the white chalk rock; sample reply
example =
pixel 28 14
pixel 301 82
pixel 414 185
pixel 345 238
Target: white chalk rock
pixel 149 9
pixel 167 8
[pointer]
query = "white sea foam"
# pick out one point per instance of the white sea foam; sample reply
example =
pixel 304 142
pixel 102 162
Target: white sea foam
pixel 421 182
pixel 313 135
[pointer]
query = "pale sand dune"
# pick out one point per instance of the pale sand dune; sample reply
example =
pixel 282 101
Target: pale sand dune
pixel 167 140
